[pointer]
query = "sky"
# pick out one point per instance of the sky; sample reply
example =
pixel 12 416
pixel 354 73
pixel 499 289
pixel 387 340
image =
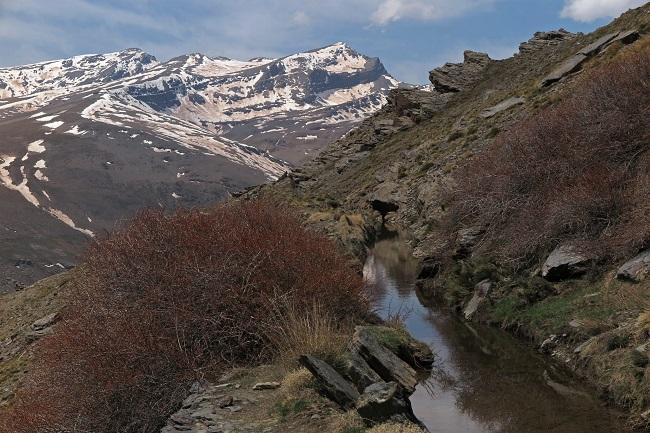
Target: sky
pixel 409 36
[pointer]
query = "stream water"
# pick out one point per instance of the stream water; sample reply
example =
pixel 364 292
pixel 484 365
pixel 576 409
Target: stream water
pixel 484 380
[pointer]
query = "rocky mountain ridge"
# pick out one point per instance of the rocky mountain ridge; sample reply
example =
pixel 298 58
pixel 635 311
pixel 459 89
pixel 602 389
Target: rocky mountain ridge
pixel 91 139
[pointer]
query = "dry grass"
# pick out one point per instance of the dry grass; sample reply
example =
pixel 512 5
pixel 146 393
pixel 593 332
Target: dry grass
pixel 395 428
pixel 313 331
pixel 295 381
pixel 623 296
pixel 347 422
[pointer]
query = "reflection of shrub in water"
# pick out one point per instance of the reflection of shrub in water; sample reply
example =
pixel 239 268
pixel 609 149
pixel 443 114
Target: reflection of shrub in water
pixel 396 256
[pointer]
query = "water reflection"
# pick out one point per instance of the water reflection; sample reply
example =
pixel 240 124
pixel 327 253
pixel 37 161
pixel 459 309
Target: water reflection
pixel 484 381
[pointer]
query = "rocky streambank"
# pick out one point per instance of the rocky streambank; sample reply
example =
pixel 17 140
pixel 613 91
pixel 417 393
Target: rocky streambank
pixel 372 380
pixel 378 374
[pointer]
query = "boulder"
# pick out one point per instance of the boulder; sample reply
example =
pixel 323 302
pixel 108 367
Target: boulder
pixel 502 106
pixel 382 402
pixel 388 365
pixel 635 269
pixel 564 262
pixel 481 291
pixel 456 77
pixel 334 385
pixel 385 199
pixel 359 372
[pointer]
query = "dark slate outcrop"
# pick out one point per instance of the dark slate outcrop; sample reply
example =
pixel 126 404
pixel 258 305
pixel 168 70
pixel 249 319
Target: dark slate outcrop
pixel 456 77
pixel 575 62
pixel 388 365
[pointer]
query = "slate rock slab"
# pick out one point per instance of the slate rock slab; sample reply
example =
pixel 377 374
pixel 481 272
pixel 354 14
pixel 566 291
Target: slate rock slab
pixel 388 365
pixel 334 385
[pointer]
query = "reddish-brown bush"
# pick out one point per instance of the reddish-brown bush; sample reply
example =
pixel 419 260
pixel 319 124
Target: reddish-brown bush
pixel 169 299
pixel 577 171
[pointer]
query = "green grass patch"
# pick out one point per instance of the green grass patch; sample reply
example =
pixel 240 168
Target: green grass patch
pixel 392 338
pixel 354 430
pixel 552 315
pixel 291 407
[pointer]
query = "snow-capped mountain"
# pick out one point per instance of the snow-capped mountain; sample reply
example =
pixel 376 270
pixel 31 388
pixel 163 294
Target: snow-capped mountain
pixel 89 140
pixel 75 72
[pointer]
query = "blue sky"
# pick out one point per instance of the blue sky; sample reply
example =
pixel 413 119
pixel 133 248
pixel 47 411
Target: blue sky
pixel 410 36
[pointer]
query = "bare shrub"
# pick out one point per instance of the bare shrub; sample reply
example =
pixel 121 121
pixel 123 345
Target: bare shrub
pixel 173 298
pixel 578 171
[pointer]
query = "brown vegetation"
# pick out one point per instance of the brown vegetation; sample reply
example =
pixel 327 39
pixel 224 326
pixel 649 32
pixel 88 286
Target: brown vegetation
pixel 578 170
pixel 173 298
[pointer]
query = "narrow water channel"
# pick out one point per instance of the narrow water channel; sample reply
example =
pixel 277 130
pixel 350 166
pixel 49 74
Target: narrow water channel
pixel 484 381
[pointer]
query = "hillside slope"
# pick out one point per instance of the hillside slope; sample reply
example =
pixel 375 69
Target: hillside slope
pixel 403 165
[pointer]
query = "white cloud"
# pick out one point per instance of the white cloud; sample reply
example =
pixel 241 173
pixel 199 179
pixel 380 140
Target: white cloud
pixel 300 18
pixel 428 10
pixel 590 10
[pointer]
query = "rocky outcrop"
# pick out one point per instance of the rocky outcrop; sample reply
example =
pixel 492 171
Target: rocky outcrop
pixel 542 40
pixel 574 63
pixel 429 269
pixel 466 240
pixel 416 104
pixel 387 364
pixel 386 198
pixel 635 269
pixel 569 66
pixel 566 261
pixel 598 44
pixel 627 37
pixel 41 327
pixel 381 374
pixel 502 106
pixel 456 77
pixel 333 384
